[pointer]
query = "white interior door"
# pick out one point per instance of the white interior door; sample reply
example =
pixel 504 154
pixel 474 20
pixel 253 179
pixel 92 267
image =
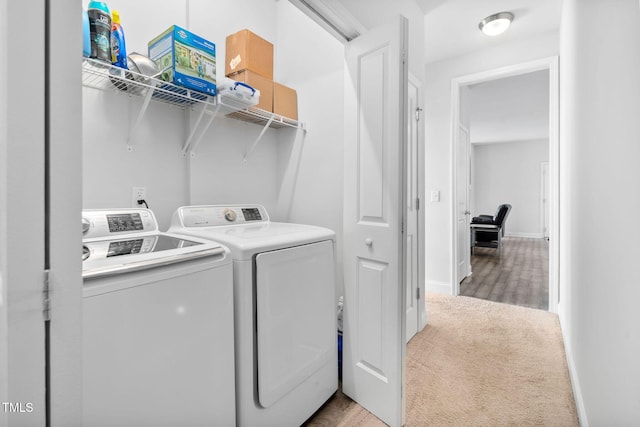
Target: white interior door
pixel 22 217
pixel 463 257
pixel 412 295
pixel 374 209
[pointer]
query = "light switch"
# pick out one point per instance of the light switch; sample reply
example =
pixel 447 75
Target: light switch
pixel 435 195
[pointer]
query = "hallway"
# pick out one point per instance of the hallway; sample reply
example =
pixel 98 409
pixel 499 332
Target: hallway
pixel 476 363
pixel 519 277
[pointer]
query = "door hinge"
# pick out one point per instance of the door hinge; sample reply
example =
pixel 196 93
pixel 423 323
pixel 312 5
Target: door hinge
pixel 417 203
pixel 46 302
pixel 417 293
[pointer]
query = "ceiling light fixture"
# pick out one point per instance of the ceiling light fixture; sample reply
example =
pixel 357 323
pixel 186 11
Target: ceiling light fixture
pixel 496 24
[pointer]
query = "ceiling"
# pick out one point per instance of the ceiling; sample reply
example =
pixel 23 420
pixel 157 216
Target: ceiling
pixel 512 109
pixel 505 110
pixel 451 26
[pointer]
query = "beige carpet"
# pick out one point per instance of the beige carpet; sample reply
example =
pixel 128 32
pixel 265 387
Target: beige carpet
pixel 477 363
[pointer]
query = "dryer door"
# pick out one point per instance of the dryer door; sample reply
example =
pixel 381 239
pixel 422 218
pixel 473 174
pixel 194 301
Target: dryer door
pixel 296 317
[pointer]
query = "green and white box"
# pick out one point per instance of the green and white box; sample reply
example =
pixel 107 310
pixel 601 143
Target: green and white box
pixel 185 59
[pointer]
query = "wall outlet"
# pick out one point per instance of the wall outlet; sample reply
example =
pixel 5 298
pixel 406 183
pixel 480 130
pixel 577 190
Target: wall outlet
pixel 138 193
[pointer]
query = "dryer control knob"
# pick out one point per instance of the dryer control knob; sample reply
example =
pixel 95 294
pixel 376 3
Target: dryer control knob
pixel 230 215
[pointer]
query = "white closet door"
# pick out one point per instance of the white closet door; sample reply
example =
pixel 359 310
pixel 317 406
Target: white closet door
pixel 374 213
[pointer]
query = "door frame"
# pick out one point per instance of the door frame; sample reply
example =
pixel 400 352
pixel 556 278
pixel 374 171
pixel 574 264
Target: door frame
pixel 417 147
pixel 544 198
pixel 63 213
pixel 552 65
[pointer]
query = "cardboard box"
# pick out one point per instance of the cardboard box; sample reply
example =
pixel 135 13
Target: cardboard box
pixel 263 84
pixel 248 51
pixel 285 101
pixel 186 59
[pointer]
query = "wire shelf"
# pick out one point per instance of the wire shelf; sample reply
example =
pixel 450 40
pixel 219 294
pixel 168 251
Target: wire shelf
pixel 106 77
pixel 103 76
pixel 258 116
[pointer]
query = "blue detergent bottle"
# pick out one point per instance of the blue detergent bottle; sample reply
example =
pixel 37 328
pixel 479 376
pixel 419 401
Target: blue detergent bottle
pixel 100 30
pixel 86 38
pixel 118 46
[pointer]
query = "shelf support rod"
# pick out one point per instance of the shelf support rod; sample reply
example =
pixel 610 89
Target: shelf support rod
pixel 185 147
pixel 255 143
pixel 204 129
pixel 143 110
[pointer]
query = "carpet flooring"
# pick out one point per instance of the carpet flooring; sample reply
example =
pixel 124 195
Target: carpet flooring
pixel 477 363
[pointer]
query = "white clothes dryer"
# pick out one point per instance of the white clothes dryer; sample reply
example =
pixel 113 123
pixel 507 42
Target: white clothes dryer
pixel 285 310
pixel 157 325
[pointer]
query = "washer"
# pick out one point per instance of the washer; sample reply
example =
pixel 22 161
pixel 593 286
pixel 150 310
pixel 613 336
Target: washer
pixel 285 310
pixel 157 325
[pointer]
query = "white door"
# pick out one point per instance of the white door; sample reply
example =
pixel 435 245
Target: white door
pixel 374 209
pixel 412 296
pixel 22 217
pixel 462 204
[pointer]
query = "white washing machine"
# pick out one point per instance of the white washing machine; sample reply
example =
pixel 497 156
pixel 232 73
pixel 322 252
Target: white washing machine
pixel 157 325
pixel 285 310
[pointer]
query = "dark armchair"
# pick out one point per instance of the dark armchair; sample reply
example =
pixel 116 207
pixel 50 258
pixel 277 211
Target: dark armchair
pixel 487 231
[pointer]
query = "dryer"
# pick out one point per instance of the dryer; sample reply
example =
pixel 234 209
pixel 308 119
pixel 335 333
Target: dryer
pixel 285 310
pixel 157 325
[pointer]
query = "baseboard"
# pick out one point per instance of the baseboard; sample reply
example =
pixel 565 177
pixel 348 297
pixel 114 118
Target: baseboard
pixel 573 375
pixel 439 287
pixel 527 235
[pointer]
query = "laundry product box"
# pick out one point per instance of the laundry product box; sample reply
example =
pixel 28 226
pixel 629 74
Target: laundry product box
pixel 246 50
pixel 185 59
pixel 285 101
pixel 261 83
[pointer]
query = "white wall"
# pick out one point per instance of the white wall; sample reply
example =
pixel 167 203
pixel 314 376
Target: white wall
pixel 514 108
pixel 600 130
pixel 310 165
pixel 215 174
pixel 511 173
pixel 438 140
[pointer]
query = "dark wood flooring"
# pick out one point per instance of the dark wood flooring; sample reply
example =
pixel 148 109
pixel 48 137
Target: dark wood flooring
pixel 519 277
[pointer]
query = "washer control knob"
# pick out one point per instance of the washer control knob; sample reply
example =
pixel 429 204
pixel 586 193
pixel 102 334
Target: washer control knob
pixel 230 215
pixel 86 225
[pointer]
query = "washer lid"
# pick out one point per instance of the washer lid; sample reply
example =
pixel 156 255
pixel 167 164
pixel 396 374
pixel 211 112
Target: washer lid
pixel 139 251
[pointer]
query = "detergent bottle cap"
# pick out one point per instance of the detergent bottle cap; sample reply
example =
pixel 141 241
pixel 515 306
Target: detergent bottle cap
pixel 100 5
